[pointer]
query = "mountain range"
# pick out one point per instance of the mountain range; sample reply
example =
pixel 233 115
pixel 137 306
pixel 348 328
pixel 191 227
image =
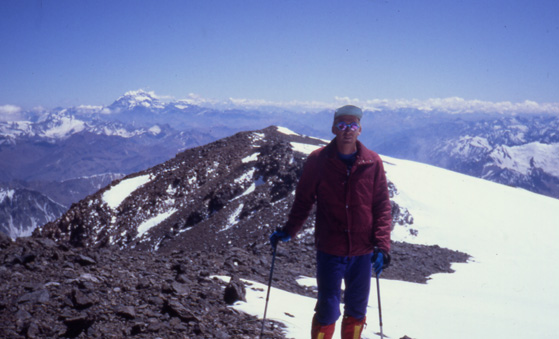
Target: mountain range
pixel 519 151
pixel 66 154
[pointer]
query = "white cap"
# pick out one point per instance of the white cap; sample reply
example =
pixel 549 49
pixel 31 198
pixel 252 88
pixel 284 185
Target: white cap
pixel 348 110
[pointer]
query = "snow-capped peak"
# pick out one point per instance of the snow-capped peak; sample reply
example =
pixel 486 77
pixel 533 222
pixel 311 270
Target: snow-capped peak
pixel 524 158
pixel 65 126
pixel 155 129
pixel 139 98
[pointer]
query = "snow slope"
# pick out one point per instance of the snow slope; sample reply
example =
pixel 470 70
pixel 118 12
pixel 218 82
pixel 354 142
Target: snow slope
pixel 508 289
pixel 116 195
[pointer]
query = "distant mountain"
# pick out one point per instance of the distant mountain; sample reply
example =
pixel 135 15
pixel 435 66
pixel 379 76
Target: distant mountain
pixel 520 151
pixel 67 154
pixel 24 207
pixel 61 148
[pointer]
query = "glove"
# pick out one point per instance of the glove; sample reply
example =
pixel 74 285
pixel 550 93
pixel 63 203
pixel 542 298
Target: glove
pixel 277 236
pixel 378 262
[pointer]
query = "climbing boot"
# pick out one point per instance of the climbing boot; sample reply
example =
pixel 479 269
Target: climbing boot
pixel 352 328
pixel 319 331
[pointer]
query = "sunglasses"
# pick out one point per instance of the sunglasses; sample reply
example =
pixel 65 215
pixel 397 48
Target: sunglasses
pixel 342 126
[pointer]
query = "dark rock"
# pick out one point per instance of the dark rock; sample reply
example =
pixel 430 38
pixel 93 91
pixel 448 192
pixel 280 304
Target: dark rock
pixel 176 309
pixel 235 291
pixel 76 325
pixel 32 330
pixel 180 289
pixel 85 260
pixel 139 327
pixel 47 243
pixel 22 315
pixel 36 297
pixel 28 258
pixel 5 240
pixel 128 312
pixel 182 278
pixel 81 300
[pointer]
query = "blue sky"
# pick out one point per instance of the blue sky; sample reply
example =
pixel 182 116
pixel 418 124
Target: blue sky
pixel 73 52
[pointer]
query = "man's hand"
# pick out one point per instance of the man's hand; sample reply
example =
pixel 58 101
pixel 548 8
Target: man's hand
pixel 277 236
pixel 378 262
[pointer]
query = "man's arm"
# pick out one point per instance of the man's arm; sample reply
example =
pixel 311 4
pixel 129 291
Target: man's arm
pixel 305 196
pixel 382 211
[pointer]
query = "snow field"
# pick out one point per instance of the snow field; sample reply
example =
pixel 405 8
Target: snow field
pixel 116 194
pixel 507 290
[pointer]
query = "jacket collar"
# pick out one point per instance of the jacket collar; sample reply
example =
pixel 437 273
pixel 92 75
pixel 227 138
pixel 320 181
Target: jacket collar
pixel 332 148
pixel 364 155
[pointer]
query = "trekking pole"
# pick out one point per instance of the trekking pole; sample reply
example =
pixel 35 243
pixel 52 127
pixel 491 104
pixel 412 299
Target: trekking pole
pixel 268 294
pixel 379 308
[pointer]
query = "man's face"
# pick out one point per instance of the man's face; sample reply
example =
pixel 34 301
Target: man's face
pixel 346 136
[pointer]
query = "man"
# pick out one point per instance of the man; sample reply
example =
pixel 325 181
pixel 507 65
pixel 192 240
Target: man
pixel 353 222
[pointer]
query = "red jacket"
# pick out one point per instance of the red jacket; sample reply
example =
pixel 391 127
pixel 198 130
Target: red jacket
pixel 353 213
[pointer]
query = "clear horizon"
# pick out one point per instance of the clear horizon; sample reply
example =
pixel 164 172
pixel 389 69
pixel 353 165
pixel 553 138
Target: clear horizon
pixel 452 105
pixel 70 53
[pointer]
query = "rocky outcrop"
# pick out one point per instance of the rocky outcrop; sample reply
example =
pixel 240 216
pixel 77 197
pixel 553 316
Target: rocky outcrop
pixel 53 290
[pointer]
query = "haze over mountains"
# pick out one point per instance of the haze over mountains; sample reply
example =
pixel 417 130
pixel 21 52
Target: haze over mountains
pixel 66 154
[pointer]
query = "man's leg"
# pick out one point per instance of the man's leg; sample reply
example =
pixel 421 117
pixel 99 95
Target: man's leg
pixel 330 271
pixel 356 296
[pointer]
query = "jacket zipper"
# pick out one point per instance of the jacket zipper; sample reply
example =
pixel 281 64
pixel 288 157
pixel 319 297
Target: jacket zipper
pixel 347 211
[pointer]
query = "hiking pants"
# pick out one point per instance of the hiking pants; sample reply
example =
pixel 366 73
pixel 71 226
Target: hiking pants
pixel 356 272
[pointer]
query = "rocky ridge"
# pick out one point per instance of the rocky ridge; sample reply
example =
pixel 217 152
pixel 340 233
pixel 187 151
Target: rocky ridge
pixel 242 184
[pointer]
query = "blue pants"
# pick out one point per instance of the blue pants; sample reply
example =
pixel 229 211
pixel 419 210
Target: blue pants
pixel 356 273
